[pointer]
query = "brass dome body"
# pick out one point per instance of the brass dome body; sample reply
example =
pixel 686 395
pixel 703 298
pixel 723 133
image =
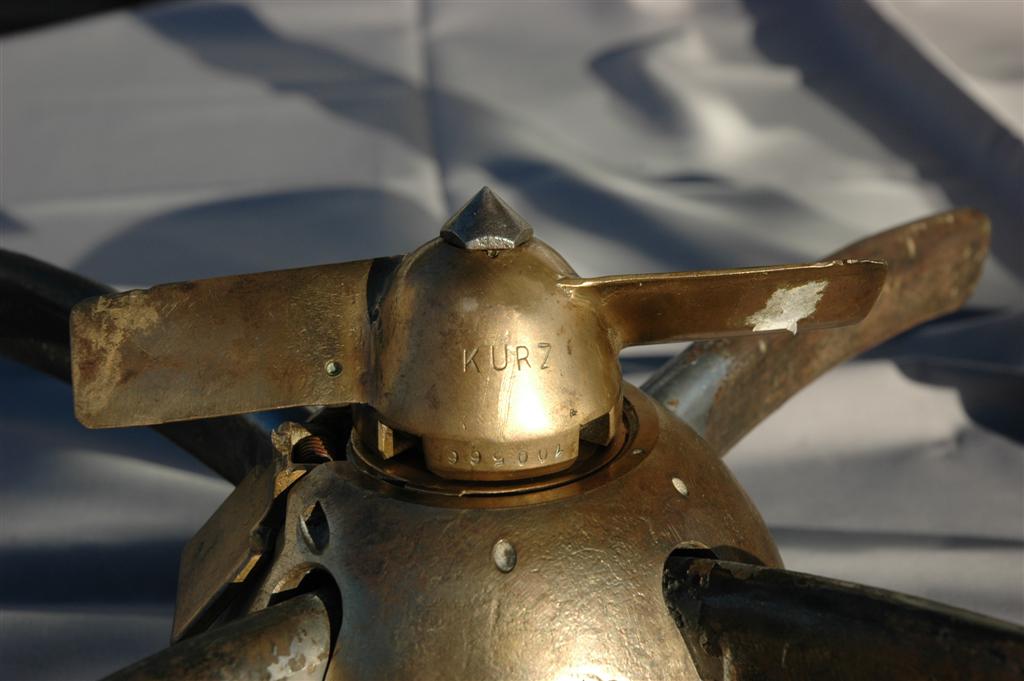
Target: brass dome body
pixel 490 362
pixel 427 593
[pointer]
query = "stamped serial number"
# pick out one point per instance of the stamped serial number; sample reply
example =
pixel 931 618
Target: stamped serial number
pixel 520 458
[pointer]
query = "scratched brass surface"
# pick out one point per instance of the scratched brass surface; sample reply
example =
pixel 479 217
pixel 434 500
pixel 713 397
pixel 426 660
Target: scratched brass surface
pixel 290 640
pixel 594 464
pixel 231 544
pixel 507 504
pixel 489 361
pixel 482 350
pixel 655 308
pixel 220 346
pixel 423 596
pixel 725 387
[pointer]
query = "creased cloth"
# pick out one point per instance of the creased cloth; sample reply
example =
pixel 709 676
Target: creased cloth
pixel 188 140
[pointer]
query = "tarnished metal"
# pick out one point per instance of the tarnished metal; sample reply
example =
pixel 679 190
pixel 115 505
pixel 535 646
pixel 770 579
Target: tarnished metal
pixel 226 549
pixel 221 346
pixel 489 362
pixel 35 304
pixel 494 502
pixel 746 622
pixel 486 223
pixel 497 358
pixel 427 595
pixel 725 387
pixel 286 642
pixel 656 308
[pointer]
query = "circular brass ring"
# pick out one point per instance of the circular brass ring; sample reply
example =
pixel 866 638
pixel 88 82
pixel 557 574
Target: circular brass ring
pixel 595 466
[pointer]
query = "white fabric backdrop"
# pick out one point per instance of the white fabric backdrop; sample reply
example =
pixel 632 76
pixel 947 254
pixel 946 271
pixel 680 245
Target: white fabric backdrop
pixel 197 139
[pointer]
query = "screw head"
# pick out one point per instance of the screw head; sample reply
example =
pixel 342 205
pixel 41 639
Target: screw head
pixel 486 223
pixel 504 555
pixel 680 487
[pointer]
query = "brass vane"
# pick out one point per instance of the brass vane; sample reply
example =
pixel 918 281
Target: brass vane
pixel 482 348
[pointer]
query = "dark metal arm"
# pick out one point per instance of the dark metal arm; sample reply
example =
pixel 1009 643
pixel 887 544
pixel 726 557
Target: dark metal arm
pixel 746 622
pixel 287 641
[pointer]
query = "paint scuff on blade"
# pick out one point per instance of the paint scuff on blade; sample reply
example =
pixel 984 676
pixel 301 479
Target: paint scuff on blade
pixel 787 306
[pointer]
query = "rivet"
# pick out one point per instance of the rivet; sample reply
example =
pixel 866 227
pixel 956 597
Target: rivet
pixel 332 368
pixel 638 451
pixel 504 555
pixel 680 486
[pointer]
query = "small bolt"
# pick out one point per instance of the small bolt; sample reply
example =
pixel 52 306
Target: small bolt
pixel 680 487
pixel 332 368
pixel 504 555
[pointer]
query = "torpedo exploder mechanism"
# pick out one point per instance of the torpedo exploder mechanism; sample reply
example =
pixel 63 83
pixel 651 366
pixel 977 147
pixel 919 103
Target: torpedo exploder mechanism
pixel 480 495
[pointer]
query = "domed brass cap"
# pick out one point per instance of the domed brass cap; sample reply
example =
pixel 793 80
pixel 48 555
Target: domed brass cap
pixel 483 345
pixel 491 361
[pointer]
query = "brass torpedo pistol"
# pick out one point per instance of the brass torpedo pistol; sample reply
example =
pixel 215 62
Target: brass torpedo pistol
pixel 480 495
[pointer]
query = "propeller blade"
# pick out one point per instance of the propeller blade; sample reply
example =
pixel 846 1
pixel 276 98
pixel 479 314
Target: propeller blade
pixel 723 388
pixel 291 641
pixel 658 308
pixel 35 306
pixel 745 622
pixel 222 346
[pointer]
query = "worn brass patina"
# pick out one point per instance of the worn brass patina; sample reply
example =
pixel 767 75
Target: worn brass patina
pixel 482 496
pixel 483 346
pixel 725 387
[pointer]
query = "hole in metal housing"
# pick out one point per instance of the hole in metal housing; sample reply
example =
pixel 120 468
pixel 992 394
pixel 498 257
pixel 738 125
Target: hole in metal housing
pixel 315 529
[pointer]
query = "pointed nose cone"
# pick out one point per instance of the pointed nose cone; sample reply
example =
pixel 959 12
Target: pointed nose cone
pixel 486 223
